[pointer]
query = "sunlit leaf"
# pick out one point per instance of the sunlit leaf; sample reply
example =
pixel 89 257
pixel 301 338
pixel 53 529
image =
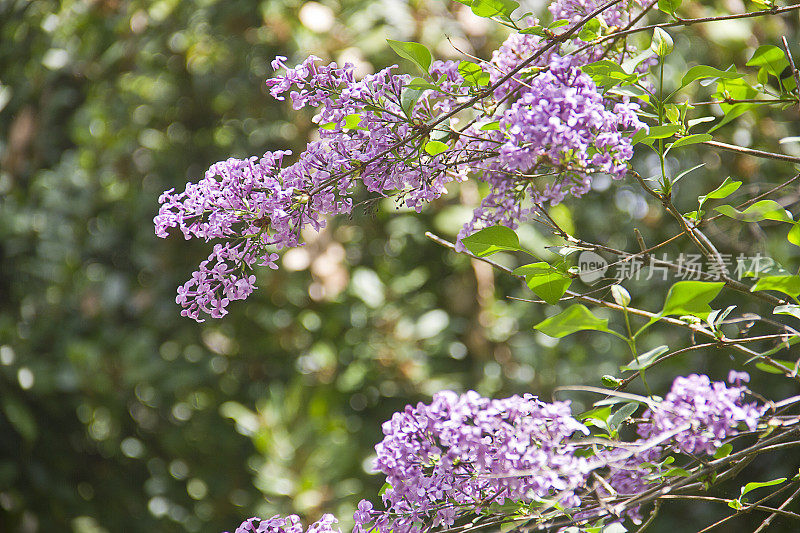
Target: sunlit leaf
pixel 574 318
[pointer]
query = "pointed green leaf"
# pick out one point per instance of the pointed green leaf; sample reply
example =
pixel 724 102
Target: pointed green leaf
pixel 769 58
pixel 533 269
pixel 590 30
pixel 353 122
pixel 762 210
pixel 414 52
pixel 788 309
pixel 645 360
pixel 473 74
pixel 409 98
pixel 786 284
pixel 435 147
pixel 622 414
pixel 700 72
pixel 574 318
pixel 727 188
pixel 794 234
pixel 723 451
pixel 494 8
pixel 669 6
pixel 691 298
pixel 691 139
pixel 789 365
pixel 550 286
pixel 420 83
pixel 759 484
pixel 491 240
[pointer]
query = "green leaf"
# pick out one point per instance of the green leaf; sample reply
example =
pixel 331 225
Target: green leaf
pixel 598 413
pixel 533 269
pixel 788 309
pixel 794 234
pixel 491 240
pixel 786 284
pixel 677 472
pixel 353 122
pixel 699 72
pixel 645 360
pixel 727 188
pixel 494 8
pixel 769 59
pixel 622 414
pixel 695 121
pixel 420 83
pixel 753 485
pixel 409 98
pixel 591 30
pixel 533 30
pixel 691 139
pixel 661 43
pixel 491 126
pixel 435 147
pixel 473 74
pixel 557 24
pixel 630 65
pixel 735 504
pixel 669 6
pixel 762 210
pixel 732 112
pixel 606 73
pixel 723 451
pixel 574 318
pixel 764 367
pixel 656 132
pixel 691 298
pixel 414 52
pixel 549 286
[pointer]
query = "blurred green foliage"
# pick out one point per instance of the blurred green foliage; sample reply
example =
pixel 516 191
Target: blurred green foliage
pixel 118 415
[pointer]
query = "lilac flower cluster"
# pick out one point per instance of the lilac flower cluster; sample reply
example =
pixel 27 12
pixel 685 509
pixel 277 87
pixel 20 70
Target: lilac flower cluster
pixel 549 140
pixel 560 126
pixel 290 524
pixel 617 15
pixel 259 205
pixel 463 452
pixel 708 412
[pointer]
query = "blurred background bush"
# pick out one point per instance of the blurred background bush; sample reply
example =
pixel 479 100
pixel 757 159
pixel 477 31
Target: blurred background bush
pixel 116 414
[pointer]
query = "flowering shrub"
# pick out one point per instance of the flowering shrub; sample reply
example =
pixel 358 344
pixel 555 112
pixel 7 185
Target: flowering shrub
pixel 464 455
pixel 555 107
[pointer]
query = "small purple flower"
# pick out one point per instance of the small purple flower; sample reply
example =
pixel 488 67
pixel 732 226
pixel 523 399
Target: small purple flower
pixel 710 413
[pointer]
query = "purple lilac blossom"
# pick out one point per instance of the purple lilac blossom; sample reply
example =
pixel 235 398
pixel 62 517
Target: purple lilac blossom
pixel 372 134
pixel 290 524
pixel 712 411
pixel 462 452
pixel 574 10
pixel 560 125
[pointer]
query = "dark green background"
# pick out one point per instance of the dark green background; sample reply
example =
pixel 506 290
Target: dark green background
pixel 138 420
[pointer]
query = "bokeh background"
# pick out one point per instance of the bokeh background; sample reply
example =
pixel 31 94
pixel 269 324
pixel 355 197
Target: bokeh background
pixel 116 414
